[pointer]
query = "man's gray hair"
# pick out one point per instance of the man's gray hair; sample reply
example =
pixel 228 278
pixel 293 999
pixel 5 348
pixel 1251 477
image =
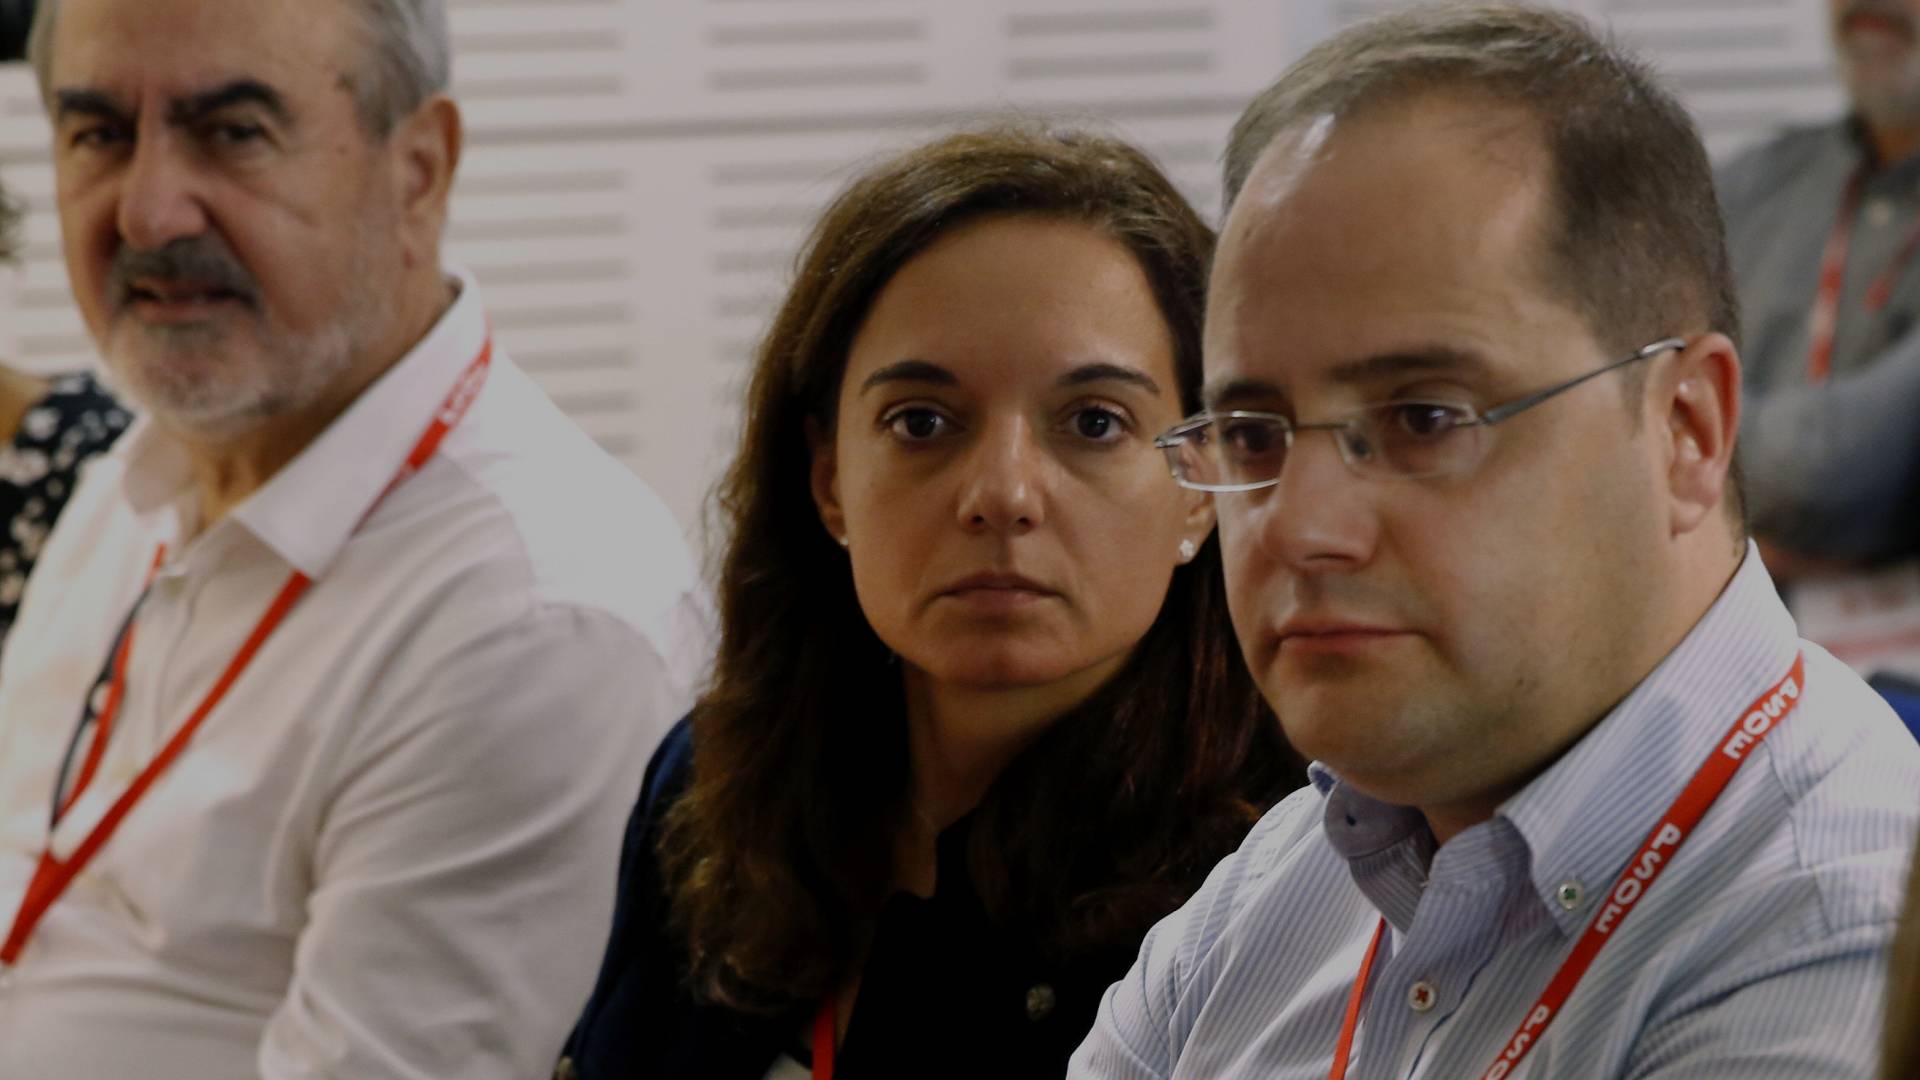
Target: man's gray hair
pixel 410 56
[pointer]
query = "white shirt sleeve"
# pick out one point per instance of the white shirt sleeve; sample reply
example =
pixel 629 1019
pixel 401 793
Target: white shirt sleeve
pixel 1809 1012
pixel 1145 1019
pixel 464 871
pixel 1129 1037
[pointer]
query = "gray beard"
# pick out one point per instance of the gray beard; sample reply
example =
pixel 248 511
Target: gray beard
pixel 295 371
pixel 216 406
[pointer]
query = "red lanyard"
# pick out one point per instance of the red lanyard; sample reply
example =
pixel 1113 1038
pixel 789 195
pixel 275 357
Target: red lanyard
pixel 52 877
pixel 825 1023
pixel 1351 1024
pixel 103 724
pixel 1653 858
pixel 1825 318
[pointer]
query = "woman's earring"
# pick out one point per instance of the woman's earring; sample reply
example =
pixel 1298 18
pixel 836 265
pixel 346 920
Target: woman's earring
pixel 1188 549
pixel 842 540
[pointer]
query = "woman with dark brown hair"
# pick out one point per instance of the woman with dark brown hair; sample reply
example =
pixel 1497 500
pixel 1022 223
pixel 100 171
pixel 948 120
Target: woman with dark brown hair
pixel 978 718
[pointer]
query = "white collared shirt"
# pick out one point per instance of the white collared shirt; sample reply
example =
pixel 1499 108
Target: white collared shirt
pixel 391 851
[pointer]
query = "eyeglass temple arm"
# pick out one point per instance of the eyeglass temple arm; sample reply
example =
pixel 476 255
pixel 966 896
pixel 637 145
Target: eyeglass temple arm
pixel 1511 408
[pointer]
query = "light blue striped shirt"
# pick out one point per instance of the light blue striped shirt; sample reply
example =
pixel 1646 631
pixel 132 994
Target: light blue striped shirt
pixel 1760 952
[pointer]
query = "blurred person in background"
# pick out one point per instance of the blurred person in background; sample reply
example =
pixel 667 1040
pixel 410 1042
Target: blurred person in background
pixel 1823 226
pixel 329 697
pixel 1583 803
pixel 1901 1058
pixel 978 718
pixel 51 428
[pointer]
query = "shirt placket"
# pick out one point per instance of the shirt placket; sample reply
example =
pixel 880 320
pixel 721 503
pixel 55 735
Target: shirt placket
pixel 1424 982
pixel 158 670
pixel 163 621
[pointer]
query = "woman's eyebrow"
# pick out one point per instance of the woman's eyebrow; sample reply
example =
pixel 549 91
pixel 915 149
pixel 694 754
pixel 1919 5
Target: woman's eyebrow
pixel 1104 372
pixel 919 371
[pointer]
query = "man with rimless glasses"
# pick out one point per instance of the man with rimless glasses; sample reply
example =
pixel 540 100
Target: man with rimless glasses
pixel 1583 803
pixel 1412 438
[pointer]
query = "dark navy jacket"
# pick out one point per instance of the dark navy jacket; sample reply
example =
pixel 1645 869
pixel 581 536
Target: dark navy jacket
pixel 944 993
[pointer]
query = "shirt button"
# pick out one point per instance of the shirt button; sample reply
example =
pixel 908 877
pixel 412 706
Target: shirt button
pixel 566 1070
pixel 1879 213
pixel 1421 996
pixel 1570 893
pixel 1040 1002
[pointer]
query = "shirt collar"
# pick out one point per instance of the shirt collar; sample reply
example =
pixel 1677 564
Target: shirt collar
pixel 310 508
pixel 1619 776
pixel 1388 848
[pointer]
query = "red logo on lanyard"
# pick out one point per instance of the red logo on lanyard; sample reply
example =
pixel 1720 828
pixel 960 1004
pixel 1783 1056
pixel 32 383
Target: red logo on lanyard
pixel 1654 856
pixel 52 877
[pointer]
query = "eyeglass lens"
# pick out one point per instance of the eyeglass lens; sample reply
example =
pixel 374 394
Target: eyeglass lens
pixel 1409 439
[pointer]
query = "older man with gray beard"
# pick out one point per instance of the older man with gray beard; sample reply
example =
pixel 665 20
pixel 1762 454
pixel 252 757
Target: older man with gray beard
pixel 1823 225
pixel 327 703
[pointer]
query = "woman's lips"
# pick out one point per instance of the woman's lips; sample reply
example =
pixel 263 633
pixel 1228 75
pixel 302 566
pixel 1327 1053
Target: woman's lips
pixel 996 592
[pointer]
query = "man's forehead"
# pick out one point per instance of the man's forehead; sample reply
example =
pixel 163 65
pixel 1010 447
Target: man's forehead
pixel 1409 347
pixel 1414 202
pixel 1469 129
pixel 189 47
pixel 1402 242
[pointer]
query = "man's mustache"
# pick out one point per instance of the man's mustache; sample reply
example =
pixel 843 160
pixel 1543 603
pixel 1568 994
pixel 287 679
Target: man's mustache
pixel 200 262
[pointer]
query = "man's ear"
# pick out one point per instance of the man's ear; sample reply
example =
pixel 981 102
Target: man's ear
pixel 1697 402
pixel 426 147
pixel 824 474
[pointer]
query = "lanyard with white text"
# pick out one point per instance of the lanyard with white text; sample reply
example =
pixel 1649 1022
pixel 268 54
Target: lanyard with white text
pixel 1824 320
pixel 1655 855
pixel 52 877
